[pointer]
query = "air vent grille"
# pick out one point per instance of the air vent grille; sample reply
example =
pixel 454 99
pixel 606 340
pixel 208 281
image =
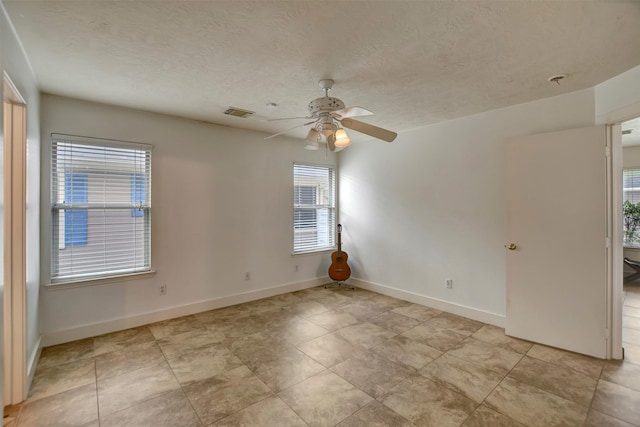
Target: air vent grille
pixel 238 112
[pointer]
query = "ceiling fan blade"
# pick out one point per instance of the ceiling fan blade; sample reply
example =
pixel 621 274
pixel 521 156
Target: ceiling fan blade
pixel 290 129
pixel 351 112
pixel 367 129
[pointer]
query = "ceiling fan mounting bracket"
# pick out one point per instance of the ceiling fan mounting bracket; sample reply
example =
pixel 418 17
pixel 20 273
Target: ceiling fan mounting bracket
pixel 325 85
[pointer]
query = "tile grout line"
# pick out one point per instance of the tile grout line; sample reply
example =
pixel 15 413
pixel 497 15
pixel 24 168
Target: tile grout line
pixel 595 390
pixel 331 370
pixel 594 395
pixel 295 346
pixel 564 367
pixel 496 386
pixel 273 393
pixel 166 359
pixel 128 372
pixel 95 373
pixel 374 399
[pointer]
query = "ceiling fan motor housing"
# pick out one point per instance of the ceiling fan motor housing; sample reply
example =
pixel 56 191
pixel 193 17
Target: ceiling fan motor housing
pixel 326 104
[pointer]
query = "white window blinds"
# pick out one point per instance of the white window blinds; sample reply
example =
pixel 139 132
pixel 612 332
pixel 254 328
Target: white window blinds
pixel 631 185
pixel 100 207
pixel 631 206
pixel 314 208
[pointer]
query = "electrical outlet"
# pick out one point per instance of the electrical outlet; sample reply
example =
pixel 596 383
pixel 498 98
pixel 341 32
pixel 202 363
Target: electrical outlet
pixel 449 283
pixel 247 276
pixel 295 268
pixel 163 289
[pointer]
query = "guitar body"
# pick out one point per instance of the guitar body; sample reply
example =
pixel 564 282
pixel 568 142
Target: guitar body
pixel 339 270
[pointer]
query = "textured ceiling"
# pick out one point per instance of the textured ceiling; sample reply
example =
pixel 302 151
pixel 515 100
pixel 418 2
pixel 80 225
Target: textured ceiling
pixel 411 62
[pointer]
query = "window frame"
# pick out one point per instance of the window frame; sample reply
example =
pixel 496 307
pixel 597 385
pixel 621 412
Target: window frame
pixel 59 169
pixel 328 210
pixel 634 200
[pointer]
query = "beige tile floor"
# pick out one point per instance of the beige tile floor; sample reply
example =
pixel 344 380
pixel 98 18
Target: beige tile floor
pixel 330 357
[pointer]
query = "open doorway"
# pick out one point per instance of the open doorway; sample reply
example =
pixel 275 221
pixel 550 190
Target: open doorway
pixel 631 239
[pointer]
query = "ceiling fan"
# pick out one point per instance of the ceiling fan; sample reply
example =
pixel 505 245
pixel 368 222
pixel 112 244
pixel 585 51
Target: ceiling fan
pixel 329 117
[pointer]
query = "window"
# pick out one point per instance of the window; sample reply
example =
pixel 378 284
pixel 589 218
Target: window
pixel 314 208
pixel 137 193
pixel 631 207
pixel 100 208
pixel 304 217
pixel 75 220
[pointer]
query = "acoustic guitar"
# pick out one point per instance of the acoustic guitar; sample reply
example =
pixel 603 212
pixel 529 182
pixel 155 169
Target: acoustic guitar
pixel 339 269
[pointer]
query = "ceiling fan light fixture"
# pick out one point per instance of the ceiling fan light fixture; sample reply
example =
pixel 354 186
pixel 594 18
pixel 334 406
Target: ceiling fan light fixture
pixel 331 143
pixel 342 139
pixel 313 135
pixel 312 146
pixel 327 132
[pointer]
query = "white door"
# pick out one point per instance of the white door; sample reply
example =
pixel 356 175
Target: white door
pixel 557 220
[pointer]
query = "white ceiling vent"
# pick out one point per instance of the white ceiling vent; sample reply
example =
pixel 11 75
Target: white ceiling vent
pixel 238 112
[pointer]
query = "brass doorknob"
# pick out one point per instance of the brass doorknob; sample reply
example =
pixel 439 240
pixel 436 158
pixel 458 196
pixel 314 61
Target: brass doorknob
pixel 511 246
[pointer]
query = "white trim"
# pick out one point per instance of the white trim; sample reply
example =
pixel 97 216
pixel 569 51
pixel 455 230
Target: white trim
pixel 80 283
pixel 23 51
pixel 615 291
pixel 11 93
pixel 628 112
pixel 33 362
pixel 461 310
pixel 615 278
pixel 93 141
pixel 67 335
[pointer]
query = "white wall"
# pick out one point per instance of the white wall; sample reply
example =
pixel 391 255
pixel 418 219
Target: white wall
pixel 428 207
pixel 631 157
pixel 16 65
pixel 618 98
pixel 221 206
pixel 431 205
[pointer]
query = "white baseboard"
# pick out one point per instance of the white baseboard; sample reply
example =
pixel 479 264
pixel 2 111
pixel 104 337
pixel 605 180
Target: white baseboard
pixel 33 363
pixel 461 310
pixel 95 329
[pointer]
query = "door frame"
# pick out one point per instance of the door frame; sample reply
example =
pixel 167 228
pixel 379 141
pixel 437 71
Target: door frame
pixel 14 317
pixel 614 246
pixel 614 120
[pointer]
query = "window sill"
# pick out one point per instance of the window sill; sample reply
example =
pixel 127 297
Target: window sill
pixel 98 281
pixel 318 252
